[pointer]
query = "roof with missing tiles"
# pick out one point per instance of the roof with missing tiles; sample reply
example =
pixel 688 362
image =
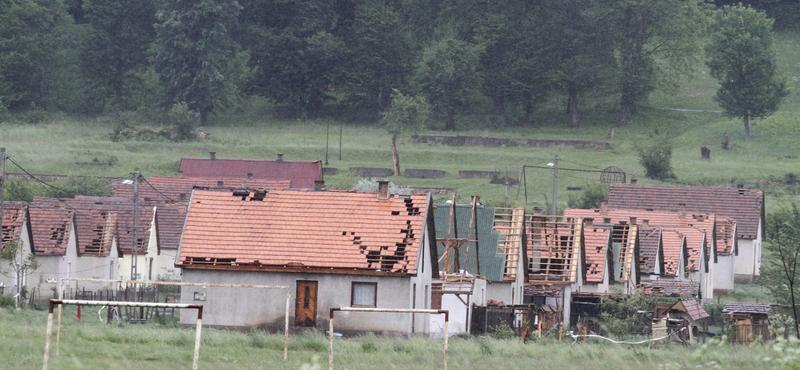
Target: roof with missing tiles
pixel 670 288
pixel 301 173
pixel 50 229
pixel 745 206
pixel 323 231
pixel 596 242
pixel 13 218
pixel 650 249
pixel 95 222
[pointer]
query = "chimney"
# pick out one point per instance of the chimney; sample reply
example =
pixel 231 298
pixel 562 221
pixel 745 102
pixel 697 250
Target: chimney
pixel 604 208
pixel 212 155
pixel 741 188
pixel 244 184
pixel 383 189
pixel 62 204
pixel 606 220
pixel 537 210
pixel 280 157
pixel 319 185
pixel 633 220
pixel 682 210
pixel 249 175
pixel 259 195
pixel 646 223
pixel 634 180
pixel 587 222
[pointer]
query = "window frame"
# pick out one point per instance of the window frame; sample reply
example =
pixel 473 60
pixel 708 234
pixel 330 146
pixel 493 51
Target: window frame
pixel 353 285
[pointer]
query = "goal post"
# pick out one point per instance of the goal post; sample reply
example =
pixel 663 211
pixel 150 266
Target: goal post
pixel 61 302
pixel 446 314
pixel 287 307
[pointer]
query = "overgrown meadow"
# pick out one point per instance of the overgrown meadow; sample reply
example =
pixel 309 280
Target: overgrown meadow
pixel 90 344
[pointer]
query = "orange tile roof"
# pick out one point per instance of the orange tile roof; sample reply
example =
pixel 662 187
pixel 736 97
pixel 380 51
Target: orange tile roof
pixel 595 240
pixel 95 223
pixel 553 246
pixel 726 235
pixel 13 217
pixel 650 249
pixel 50 229
pixel 674 249
pixel 746 206
pixel 335 231
pixel 694 227
pixel 301 173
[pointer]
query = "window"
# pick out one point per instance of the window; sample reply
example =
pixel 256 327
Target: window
pixel 364 294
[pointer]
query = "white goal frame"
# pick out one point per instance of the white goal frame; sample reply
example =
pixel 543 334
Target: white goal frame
pixel 178 283
pixel 446 314
pixel 61 302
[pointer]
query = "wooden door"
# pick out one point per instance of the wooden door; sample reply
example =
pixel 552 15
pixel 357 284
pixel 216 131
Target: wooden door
pixel 305 313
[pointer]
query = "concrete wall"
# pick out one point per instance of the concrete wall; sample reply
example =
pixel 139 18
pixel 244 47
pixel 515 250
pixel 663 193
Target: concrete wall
pixel 460 309
pixel 723 274
pixel 249 307
pixel 747 263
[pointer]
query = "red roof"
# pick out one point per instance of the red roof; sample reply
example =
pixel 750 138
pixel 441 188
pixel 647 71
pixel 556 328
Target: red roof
pixel 50 229
pixel 13 217
pixel 170 189
pixel 595 241
pixel 301 174
pixel 649 248
pixel 325 231
pixel 745 206
pixel 95 222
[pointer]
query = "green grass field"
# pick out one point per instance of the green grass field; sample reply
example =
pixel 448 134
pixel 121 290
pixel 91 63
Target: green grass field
pixel 90 344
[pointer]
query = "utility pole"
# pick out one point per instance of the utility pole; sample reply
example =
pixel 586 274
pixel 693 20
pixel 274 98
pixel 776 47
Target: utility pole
pixel 2 189
pixel 135 248
pixel 555 185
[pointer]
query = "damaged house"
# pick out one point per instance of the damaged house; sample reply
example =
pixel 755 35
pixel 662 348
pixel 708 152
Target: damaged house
pixel 331 248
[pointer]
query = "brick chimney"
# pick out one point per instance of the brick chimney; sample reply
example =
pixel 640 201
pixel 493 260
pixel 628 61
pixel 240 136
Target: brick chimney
pixel 587 222
pixel 646 223
pixel 682 210
pixel 383 189
pixel 633 220
pixel 212 155
pixel 280 157
pixel 634 180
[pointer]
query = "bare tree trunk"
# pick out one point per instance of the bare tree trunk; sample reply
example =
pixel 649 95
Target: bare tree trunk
pixel 573 108
pixel 395 156
pixel 746 126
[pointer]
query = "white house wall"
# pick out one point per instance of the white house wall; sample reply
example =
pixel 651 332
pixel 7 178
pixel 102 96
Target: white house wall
pixel 723 274
pixel 264 308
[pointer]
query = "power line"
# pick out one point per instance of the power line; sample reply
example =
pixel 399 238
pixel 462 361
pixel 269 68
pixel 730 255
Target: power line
pixel 32 176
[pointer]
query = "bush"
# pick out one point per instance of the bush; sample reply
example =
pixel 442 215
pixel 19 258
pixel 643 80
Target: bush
pixel 657 160
pixel 7 300
pixel 593 196
pixel 182 119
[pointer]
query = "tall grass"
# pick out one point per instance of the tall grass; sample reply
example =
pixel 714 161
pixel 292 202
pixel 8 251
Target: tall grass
pixel 92 345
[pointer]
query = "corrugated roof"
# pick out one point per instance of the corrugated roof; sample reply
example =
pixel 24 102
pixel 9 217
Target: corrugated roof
pixel 302 174
pixel 333 231
pixel 491 257
pixel 50 229
pixel 745 206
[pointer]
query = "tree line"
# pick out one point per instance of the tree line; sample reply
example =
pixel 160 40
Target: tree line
pixel 347 58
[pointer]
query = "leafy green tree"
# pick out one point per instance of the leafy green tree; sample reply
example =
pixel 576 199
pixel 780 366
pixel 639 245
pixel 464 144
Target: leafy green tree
pixel 21 263
pixel 29 39
pixel 593 196
pixel 407 113
pixel 196 57
pixel 448 77
pixel 656 159
pixel 780 274
pixel 296 52
pixel 117 47
pixel 657 41
pixel 379 58
pixel 741 57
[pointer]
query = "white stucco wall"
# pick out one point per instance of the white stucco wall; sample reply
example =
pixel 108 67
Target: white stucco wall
pixel 723 274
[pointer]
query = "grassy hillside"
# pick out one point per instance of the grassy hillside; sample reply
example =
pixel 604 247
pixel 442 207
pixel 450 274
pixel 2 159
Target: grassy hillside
pixel 762 161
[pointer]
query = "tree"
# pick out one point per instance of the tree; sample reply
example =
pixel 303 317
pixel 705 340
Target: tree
pixel 781 273
pixel 448 77
pixel 195 53
pixel 21 263
pixel 296 53
pixel 406 113
pixel 379 58
pixel 658 41
pixel 122 33
pixel 741 57
pixel 29 37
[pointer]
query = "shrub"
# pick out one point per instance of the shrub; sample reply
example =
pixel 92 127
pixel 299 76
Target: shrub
pixel 7 300
pixel 182 120
pixel 503 332
pixel 657 160
pixel 592 197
